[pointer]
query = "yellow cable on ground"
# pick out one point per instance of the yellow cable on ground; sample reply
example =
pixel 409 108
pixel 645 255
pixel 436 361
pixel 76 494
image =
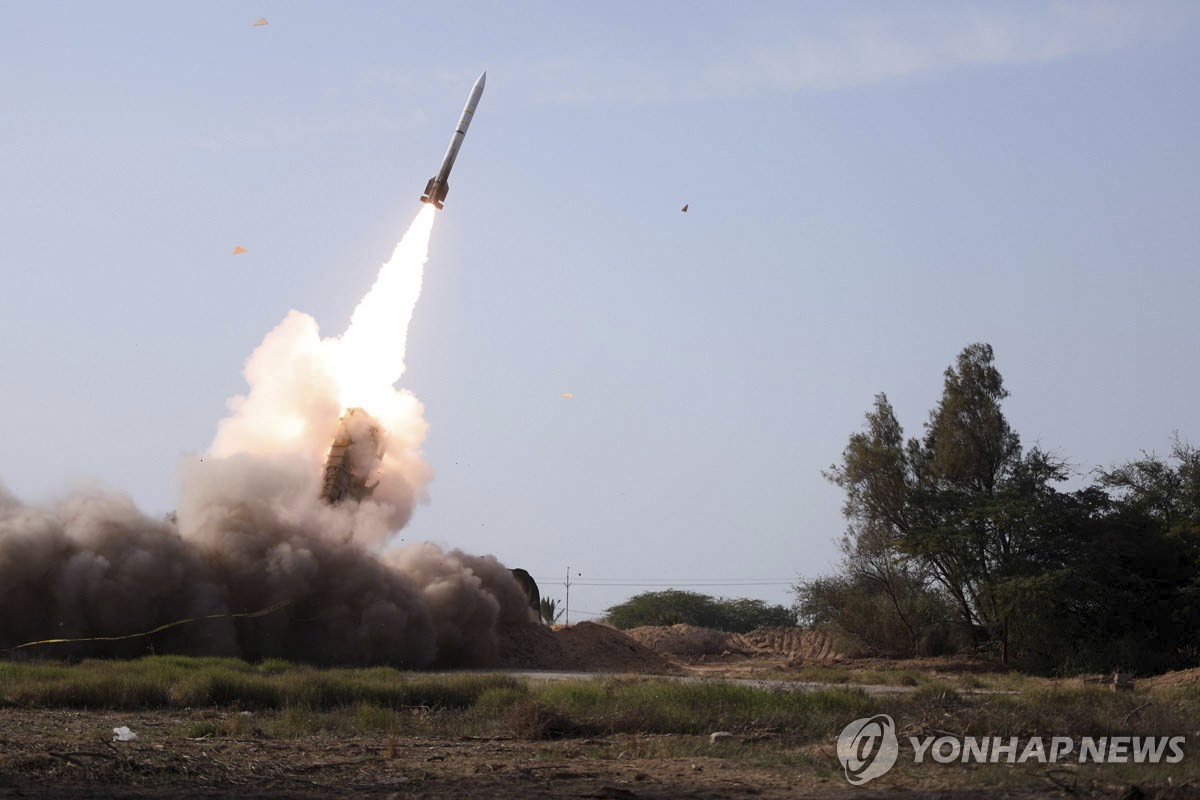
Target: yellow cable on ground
pixel 242 614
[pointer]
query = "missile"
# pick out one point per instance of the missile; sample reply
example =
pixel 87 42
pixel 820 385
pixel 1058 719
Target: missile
pixel 439 185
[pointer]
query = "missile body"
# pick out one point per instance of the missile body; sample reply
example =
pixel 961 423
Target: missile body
pixel 439 185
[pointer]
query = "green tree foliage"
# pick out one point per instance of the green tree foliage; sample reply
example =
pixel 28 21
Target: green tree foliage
pixel 1120 601
pixel 741 614
pixel 982 513
pixel 882 602
pixel 673 606
pixel 969 445
pixel 1107 576
pixel 900 620
pixel 1164 491
pixel 963 507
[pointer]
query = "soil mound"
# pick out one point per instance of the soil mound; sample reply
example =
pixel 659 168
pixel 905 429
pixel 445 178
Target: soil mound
pixel 690 641
pixel 686 641
pixel 791 643
pixel 1183 677
pixel 586 647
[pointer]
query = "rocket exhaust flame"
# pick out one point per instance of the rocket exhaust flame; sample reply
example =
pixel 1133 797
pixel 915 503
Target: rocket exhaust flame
pixel 301 385
pixel 368 358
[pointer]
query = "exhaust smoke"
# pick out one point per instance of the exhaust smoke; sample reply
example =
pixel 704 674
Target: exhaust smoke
pixel 252 529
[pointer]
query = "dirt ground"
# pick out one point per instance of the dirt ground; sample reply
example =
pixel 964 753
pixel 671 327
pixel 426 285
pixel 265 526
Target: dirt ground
pixel 56 754
pixel 585 647
pixel 775 652
pixel 66 754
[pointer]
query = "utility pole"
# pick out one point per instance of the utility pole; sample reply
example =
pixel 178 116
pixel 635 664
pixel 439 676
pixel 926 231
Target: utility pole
pixel 568 585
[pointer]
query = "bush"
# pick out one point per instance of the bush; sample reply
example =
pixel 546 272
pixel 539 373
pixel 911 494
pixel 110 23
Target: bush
pixel 917 621
pixel 672 607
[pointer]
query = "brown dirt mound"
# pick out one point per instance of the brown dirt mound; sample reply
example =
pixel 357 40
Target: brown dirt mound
pixel 586 647
pixel 1183 677
pixel 690 641
pixel 793 643
pixel 686 641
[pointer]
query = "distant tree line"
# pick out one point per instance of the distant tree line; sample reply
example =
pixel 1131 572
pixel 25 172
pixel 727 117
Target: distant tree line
pixel 962 539
pixel 673 606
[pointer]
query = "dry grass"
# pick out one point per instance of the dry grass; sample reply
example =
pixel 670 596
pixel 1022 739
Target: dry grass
pixel 286 700
pixel 605 719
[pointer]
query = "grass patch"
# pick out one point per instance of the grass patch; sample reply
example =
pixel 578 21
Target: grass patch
pixel 910 676
pixel 656 706
pixel 287 701
pixel 178 682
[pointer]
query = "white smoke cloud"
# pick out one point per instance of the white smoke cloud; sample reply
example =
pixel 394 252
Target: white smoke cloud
pixel 300 385
pixel 251 530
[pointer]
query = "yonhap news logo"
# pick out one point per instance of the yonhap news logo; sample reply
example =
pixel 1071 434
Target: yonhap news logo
pixel 868 748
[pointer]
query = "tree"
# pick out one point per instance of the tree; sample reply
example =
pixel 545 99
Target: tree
pixel 915 620
pixel 672 607
pixel 1151 588
pixel 969 445
pixel 963 507
pixel 876 474
pixel 883 582
pixel 1106 576
pixel 1167 493
pixel 982 513
pixel 745 614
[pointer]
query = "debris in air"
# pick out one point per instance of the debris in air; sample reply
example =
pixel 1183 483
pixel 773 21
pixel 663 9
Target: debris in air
pixel 123 734
pixel 567 396
pixel 237 251
pixel 258 23
pixel 684 209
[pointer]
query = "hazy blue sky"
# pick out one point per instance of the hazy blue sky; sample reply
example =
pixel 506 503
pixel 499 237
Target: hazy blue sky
pixel 870 189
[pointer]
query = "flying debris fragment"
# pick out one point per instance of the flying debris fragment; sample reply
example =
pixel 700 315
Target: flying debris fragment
pixel 567 396
pixel 439 185
pixel 684 209
pixel 258 23
pixel 237 251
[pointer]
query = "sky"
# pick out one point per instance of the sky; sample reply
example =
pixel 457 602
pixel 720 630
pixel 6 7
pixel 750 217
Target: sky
pixel 871 187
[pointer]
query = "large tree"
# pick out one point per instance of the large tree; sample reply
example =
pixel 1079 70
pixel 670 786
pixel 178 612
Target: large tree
pixel 984 515
pixel 964 506
pixel 1107 576
pixel 882 601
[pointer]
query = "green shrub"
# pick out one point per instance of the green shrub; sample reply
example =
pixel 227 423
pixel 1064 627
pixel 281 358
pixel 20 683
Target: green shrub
pixel 673 606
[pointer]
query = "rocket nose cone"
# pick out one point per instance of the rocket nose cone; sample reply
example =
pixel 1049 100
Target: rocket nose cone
pixel 482 79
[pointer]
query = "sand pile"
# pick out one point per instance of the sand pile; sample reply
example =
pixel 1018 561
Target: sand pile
pixel 792 643
pixel 690 641
pixel 686 641
pixel 1183 677
pixel 586 647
